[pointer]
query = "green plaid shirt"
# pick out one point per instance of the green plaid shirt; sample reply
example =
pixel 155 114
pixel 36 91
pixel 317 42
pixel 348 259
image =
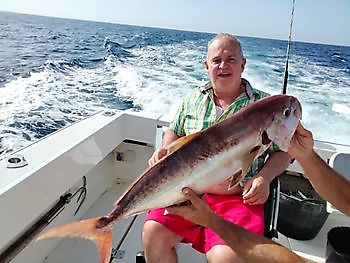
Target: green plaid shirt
pixel 198 111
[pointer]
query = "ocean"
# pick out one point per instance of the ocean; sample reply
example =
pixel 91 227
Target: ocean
pixel 54 72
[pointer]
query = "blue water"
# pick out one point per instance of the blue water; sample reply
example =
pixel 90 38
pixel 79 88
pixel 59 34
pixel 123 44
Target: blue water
pixel 54 72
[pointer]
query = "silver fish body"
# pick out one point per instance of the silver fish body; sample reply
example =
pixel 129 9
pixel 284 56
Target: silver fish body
pixel 213 155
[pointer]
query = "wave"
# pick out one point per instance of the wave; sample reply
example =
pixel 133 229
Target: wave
pixel 116 49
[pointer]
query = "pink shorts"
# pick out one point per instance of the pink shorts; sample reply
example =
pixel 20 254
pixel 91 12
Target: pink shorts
pixel 230 207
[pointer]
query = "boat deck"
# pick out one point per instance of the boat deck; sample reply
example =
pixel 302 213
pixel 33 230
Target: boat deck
pixel 80 250
pixel 314 250
pixel 84 251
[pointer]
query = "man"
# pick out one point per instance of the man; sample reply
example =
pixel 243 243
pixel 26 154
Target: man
pixel 225 94
pixel 251 247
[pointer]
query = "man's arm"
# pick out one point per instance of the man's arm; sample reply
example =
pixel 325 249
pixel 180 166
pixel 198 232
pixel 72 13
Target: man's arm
pixel 256 190
pixel 328 183
pixel 169 137
pixel 249 246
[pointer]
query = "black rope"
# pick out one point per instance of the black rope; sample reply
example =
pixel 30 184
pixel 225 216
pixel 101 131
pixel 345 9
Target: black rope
pixel 285 77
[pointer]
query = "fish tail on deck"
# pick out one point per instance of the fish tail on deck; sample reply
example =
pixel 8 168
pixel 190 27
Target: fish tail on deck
pixel 85 229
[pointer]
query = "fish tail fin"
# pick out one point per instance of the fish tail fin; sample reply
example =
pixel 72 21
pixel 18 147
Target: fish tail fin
pixel 102 237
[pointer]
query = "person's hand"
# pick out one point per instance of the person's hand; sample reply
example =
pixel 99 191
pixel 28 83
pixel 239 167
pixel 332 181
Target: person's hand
pixel 256 190
pixel 302 143
pixel 198 211
pixel 157 155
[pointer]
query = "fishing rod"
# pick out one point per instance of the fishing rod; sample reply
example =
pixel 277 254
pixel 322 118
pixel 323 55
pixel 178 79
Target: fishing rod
pixel 285 77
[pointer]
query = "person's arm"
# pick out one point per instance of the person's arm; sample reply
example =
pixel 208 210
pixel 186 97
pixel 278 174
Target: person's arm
pixel 248 246
pixel 331 186
pixel 168 137
pixel 256 190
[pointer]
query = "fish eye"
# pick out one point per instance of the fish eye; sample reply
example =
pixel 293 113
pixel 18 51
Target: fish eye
pixel 286 112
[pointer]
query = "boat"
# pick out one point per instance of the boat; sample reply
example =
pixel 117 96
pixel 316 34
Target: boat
pixel 79 171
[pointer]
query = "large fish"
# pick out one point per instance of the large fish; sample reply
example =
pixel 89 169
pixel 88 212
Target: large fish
pixel 199 161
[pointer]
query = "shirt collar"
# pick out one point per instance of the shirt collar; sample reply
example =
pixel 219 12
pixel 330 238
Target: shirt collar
pixel 248 88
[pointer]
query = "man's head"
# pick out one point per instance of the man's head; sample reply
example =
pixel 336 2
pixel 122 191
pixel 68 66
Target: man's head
pixel 225 62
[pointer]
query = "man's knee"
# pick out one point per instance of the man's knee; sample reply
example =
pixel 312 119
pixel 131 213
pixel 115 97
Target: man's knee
pixel 222 254
pixel 159 242
pixel 155 234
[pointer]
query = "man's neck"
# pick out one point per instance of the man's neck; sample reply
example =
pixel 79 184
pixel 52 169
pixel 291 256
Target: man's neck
pixel 224 99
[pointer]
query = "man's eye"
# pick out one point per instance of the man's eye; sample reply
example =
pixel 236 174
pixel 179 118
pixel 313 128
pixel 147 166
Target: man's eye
pixel 216 61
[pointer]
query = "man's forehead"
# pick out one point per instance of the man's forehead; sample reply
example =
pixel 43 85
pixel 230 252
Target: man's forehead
pixel 223 46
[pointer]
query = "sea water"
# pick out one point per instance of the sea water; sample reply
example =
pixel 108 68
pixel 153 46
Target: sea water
pixel 54 72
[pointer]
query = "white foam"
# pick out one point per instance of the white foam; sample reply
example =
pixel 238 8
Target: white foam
pixel 341 108
pixel 160 86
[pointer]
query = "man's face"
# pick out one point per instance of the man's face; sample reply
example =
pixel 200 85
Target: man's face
pixel 225 64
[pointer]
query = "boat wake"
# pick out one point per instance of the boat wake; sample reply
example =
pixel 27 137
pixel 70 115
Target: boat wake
pixel 341 108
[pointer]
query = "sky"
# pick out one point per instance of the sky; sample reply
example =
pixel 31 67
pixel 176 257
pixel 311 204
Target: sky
pixel 317 21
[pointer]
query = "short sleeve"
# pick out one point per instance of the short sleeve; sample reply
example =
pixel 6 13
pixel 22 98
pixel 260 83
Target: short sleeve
pixel 177 124
pixel 274 148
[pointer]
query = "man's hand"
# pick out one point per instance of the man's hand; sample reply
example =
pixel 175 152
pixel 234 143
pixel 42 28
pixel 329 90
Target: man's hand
pixel 256 190
pixel 302 143
pixel 168 138
pixel 198 211
pixel 157 155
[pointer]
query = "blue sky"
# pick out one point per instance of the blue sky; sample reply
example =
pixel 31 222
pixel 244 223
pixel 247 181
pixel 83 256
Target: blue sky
pixel 318 21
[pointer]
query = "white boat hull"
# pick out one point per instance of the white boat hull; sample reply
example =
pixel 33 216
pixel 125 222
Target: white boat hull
pixel 110 151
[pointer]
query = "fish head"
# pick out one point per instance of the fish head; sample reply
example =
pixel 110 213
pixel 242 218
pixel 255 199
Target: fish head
pixel 286 113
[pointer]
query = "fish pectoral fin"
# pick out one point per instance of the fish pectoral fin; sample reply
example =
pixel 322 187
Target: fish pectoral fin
pixel 177 144
pixel 234 179
pixel 85 229
pixel 248 160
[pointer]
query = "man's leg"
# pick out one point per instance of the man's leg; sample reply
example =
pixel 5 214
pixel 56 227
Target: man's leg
pixel 159 243
pixel 222 254
pixel 233 209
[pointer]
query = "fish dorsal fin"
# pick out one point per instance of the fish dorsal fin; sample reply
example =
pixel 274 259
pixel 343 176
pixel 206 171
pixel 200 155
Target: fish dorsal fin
pixel 177 144
pixel 246 163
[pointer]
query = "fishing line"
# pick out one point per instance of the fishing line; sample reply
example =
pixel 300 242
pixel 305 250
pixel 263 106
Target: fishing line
pixel 285 78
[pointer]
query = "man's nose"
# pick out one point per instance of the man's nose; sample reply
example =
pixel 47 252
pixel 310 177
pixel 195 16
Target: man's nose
pixel 222 64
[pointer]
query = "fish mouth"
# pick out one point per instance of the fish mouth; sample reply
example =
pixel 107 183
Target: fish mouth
pixel 265 138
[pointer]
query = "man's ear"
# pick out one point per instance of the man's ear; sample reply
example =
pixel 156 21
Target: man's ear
pixel 205 62
pixel 244 61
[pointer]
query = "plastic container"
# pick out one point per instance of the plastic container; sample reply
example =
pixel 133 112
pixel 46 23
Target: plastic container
pixel 301 219
pixel 338 245
pixel 302 211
